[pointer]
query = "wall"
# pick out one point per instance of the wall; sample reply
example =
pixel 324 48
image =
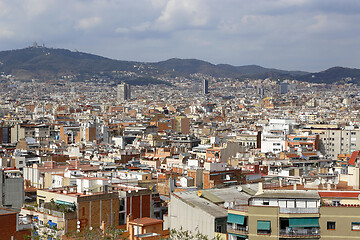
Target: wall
pixel 186 217
pixel 343 217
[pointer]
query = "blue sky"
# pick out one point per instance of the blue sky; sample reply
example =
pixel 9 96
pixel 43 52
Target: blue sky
pixel 310 35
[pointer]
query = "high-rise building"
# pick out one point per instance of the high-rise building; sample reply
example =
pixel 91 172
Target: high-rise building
pixel 205 86
pixel 283 88
pixel 123 92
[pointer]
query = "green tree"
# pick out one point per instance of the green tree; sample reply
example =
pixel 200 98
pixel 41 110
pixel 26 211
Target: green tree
pixel 187 235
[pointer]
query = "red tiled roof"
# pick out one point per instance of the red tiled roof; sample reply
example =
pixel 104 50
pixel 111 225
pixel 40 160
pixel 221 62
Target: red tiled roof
pixel 353 158
pixel 339 194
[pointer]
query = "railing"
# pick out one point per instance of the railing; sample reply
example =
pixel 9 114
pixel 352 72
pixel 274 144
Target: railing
pixel 302 232
pixel 24 226
pixel 44 210
pixel 238 229
pixel 299 210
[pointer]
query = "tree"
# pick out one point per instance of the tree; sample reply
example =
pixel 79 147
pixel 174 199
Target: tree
pixel 187 235
pixel 110 233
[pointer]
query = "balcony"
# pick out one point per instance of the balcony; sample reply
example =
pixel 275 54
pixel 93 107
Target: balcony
pixel 299 210
pixel 240 230
pixel 300 233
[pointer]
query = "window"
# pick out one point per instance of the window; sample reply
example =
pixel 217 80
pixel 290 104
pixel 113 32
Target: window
pixel 330 225
pixel 263 227
pixel 266 202
pixel 355 226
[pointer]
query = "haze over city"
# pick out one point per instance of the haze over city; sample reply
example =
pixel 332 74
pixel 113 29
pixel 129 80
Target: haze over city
pixel 292 35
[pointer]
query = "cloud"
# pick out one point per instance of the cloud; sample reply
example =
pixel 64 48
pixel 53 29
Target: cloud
pixel 87 23
pixel 290 34
pixel 185 13
pixel 320 21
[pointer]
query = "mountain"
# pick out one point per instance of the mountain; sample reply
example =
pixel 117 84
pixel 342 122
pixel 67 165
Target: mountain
pixel 191 66
pixel 47 63
pixel 332 75
pixel 41 62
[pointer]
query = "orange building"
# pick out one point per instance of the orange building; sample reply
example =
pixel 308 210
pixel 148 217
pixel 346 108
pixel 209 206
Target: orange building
pixel 146 228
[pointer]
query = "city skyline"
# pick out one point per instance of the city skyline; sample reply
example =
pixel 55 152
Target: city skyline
pixel 290 35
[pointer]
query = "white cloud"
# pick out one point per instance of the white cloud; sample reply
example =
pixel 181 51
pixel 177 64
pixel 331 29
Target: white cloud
pixel 184 13
pixel 87 23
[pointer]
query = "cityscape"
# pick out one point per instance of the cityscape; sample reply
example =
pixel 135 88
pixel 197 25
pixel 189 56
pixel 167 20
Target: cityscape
pixel 92 147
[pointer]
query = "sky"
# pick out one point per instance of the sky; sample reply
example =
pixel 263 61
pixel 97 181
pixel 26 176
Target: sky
pixel 309 35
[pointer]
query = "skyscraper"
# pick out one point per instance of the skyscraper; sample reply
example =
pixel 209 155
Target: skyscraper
pixel 283 88
pixel 205 86
pixel 123 92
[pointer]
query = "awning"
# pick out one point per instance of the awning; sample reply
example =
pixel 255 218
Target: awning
pixel 263 225
pixel 237 235
pixel 64 203
pixel 303 222
pixel 234 218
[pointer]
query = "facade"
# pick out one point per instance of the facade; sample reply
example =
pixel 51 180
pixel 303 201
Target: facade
pixel 65 211
pixel 188 211
pixel 11 189
pixel 123 92
pixel 205 86
pixel 273 214
pixel 13 227
pixel 336 141
pixel 297 214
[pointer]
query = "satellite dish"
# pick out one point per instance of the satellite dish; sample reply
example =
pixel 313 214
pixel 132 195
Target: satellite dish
pixel 317 182
pixel 129 191
pixel 323 181
pixel 227 177
pixel 239 188
pixel 248 185
pixel 336 181
pixel 330 181
pixel 226 204
pixel 231 204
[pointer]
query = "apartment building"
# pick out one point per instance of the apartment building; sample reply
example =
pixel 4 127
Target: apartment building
pixel 297 214
pixel 276 214
pixel 339 141
pixel 64 210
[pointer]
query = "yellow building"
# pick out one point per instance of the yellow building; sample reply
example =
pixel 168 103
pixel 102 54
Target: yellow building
pixel 297 214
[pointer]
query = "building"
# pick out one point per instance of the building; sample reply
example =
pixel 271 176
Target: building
pixel 146 229
pixel 65 210
pixel 339 141
pixel 276 214
pixel 205 86
pixel 203 211
pixel 283 88
pixel 13 226
pixel 123 92
pixel 11 189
